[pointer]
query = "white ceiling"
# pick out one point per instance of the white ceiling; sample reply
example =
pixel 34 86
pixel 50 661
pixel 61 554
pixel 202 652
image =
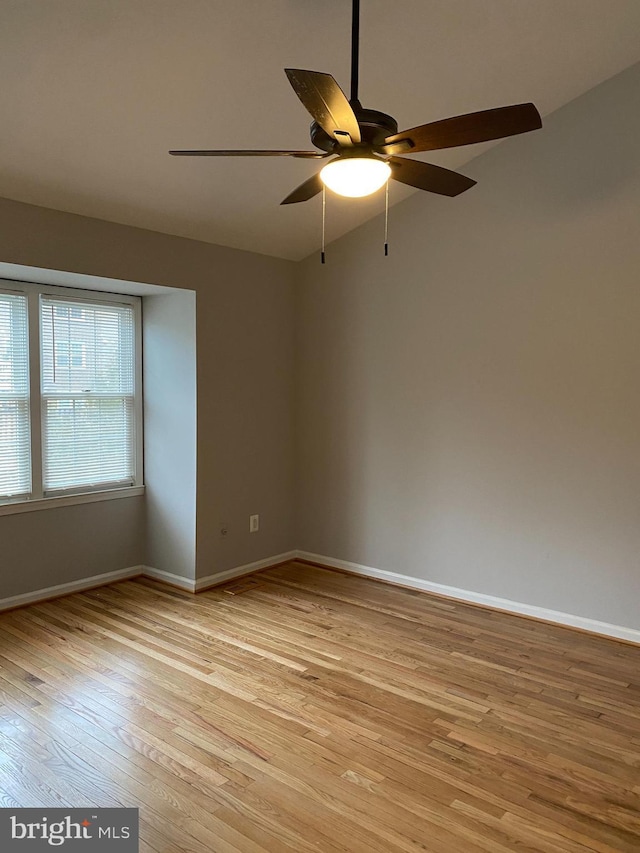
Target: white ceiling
pixel 94 93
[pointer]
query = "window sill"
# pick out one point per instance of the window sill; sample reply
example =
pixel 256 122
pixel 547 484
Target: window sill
pixel 70 500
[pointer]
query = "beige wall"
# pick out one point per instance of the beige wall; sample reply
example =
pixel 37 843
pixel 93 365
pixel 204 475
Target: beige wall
pixel 55 546
pixel 245 391
pixel 468 407
pixel 244 379
pixel 170 412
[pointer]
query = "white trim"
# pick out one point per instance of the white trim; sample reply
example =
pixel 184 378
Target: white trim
pixel 35 403
pixel 631 635
pixel 70 500
pixel 63 291
pixel 68 588
pixel 21 274
pixel 619 632
pixel 187 584
pixel 138 395
pixel 239 571
pixel 34 294
pixel 168 577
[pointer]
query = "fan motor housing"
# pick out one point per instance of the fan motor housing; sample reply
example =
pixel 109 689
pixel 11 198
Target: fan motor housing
pixel 374 129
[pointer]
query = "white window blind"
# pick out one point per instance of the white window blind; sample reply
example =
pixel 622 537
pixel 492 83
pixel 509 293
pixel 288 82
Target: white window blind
pixel 88 386
pixel 15 442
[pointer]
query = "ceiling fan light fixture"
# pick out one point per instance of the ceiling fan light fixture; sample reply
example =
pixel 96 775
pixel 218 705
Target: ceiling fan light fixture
pixel 355 177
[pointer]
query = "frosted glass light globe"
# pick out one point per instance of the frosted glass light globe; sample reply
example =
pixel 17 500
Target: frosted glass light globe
pixel 355 177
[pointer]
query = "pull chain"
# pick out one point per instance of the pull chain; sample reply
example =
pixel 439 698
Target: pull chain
pixel 386 219
pixel 324 212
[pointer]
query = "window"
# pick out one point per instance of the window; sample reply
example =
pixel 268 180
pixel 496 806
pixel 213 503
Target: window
pixel 79 430
pixel 15 444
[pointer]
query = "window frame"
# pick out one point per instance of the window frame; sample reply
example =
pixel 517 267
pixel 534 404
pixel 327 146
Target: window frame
pixel 19 397
pixel 37 499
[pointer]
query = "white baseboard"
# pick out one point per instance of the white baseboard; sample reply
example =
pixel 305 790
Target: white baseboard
pixel 619 632
pixel 168 577
pixel 187 584
pixel 239 571
pixel 606 629
pixel 219 577
pixel 67 588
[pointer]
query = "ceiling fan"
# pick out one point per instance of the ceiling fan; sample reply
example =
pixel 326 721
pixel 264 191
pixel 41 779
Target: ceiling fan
pixel 365 143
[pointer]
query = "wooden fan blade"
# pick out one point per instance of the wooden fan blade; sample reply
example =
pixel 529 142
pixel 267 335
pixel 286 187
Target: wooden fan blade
pixel 327 104
pixel 305 191
pixel 426 176
pixel 311 155
pixel 465 130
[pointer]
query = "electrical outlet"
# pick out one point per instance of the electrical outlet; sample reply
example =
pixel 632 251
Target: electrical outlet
pixel 254 523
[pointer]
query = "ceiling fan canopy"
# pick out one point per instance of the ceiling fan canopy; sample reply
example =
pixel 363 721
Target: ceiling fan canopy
pixel 367 142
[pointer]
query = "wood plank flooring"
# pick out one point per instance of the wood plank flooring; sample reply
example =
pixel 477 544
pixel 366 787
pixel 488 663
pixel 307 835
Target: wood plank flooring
pixel 307 710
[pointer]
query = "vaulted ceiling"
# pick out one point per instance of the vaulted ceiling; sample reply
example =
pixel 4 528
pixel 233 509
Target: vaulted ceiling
pixel 94 92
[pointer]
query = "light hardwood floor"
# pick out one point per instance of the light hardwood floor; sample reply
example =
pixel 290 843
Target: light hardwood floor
pixel 306 710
